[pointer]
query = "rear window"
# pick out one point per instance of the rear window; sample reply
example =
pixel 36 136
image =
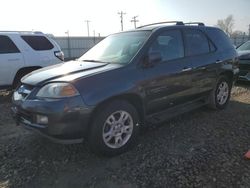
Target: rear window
pixel 219 38
pixel 38 43
pixel 7 46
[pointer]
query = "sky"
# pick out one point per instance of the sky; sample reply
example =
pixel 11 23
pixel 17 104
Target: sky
pixel 59 16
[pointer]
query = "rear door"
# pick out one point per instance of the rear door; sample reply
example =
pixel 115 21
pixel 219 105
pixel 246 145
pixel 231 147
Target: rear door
pixel 167 83
pixel 40 51
pixel 201 52
pixel 11 60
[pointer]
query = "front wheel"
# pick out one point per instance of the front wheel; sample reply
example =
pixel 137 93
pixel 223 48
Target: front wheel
pixel 115 128
pixel 220 95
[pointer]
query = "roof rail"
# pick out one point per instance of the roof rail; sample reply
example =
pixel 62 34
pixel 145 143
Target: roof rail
pixel 35 32
pixel 192 23
pixel 158 23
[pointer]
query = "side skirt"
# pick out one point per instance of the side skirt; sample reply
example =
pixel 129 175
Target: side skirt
pixel 176 110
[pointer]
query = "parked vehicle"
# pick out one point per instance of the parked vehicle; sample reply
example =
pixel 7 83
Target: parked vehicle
pixel 244 61
pixel 128 80
pixel 24 52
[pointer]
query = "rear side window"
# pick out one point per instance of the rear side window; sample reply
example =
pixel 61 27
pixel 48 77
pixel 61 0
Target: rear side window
pixel 38 43
pixel 7 45
pixel 196 42
pixel 219 38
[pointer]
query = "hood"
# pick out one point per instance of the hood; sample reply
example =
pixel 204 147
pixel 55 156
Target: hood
pixel 67 72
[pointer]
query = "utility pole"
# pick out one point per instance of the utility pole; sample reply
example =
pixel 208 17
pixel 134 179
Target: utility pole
pixel 134 20
pixel 94 36
pixel 69 47
pixel 87 21
pixel 249 30
pixel 121 16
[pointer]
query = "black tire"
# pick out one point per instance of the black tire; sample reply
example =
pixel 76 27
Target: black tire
pixel 213 100
pixel 17 81
pixel 20 75
pixel 95 139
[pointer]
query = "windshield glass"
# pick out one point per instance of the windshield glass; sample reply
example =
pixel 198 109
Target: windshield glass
pixel 245 46
pixel 117 48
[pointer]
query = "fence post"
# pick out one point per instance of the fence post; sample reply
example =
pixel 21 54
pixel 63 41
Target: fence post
pixel 69 48
pixel 243 38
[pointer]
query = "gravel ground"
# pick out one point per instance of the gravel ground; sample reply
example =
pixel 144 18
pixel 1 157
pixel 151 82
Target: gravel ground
pixel 203 148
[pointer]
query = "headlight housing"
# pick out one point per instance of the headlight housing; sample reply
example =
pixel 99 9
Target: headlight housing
pixel 57 90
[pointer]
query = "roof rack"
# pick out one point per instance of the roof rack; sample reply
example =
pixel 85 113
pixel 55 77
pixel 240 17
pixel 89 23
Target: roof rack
pixel 192 23
pixel 158 23
pixel 35 32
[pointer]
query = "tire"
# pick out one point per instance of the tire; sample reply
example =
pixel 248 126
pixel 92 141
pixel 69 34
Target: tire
pixel 19 75
pixel 221 94
pixel 17 81
pixel 110 135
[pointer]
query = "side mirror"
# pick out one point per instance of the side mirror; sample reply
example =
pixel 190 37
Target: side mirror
pixel 153 58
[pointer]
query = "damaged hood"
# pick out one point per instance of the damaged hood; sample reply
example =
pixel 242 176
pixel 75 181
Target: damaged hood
pixel 67 72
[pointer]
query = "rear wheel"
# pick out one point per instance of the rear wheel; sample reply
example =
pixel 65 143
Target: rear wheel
pixel 115 128
pixel 220 95
pixel 17 80
pixel 20 74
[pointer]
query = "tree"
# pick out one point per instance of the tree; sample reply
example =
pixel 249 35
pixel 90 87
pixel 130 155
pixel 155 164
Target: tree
pixel 237 33
pixel 226 24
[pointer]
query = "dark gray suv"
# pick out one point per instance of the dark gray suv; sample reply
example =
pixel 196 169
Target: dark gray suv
pixel 128 80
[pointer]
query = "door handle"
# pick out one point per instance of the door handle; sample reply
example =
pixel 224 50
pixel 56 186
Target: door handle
pixel 185 69
pixel 203 68
pixel 16 59
pixel 218 61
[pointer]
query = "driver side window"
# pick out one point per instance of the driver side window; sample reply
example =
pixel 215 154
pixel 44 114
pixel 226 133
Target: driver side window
pixel 169 44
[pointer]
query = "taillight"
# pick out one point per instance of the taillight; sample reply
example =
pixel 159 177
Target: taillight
pixel 59 55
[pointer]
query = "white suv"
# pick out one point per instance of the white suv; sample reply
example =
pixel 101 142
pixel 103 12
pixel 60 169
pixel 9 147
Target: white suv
pixel 24 52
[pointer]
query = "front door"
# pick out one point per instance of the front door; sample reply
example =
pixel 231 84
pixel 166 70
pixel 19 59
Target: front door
pixel 167 83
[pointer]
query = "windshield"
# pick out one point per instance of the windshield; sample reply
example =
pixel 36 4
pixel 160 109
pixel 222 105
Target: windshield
pixel 245 46
pixel 117 48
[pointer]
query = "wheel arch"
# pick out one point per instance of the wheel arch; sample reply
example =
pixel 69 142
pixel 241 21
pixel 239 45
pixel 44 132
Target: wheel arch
pixel 133 99
pixel 22 71
pixel 228 74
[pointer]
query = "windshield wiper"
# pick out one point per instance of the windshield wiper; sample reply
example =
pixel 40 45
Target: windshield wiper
pixel 95 61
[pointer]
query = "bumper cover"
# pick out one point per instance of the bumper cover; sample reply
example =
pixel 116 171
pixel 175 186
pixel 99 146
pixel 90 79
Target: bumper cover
pixel 67 118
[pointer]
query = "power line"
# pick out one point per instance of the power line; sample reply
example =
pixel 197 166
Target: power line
pixel 87 21
pixel 134 20
pixel 121 16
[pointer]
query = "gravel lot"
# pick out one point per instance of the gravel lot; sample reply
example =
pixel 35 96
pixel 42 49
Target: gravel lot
pixel 202 148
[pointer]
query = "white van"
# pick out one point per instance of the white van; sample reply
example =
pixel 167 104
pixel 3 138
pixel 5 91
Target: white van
pixel 24 52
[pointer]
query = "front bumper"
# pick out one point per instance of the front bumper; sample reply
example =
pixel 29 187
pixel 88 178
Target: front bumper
pixel 244 73
pixel 68 118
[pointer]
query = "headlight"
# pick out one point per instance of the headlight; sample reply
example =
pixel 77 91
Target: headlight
pixel 57 90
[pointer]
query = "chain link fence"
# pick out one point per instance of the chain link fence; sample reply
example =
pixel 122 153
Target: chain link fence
pixel 74 47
